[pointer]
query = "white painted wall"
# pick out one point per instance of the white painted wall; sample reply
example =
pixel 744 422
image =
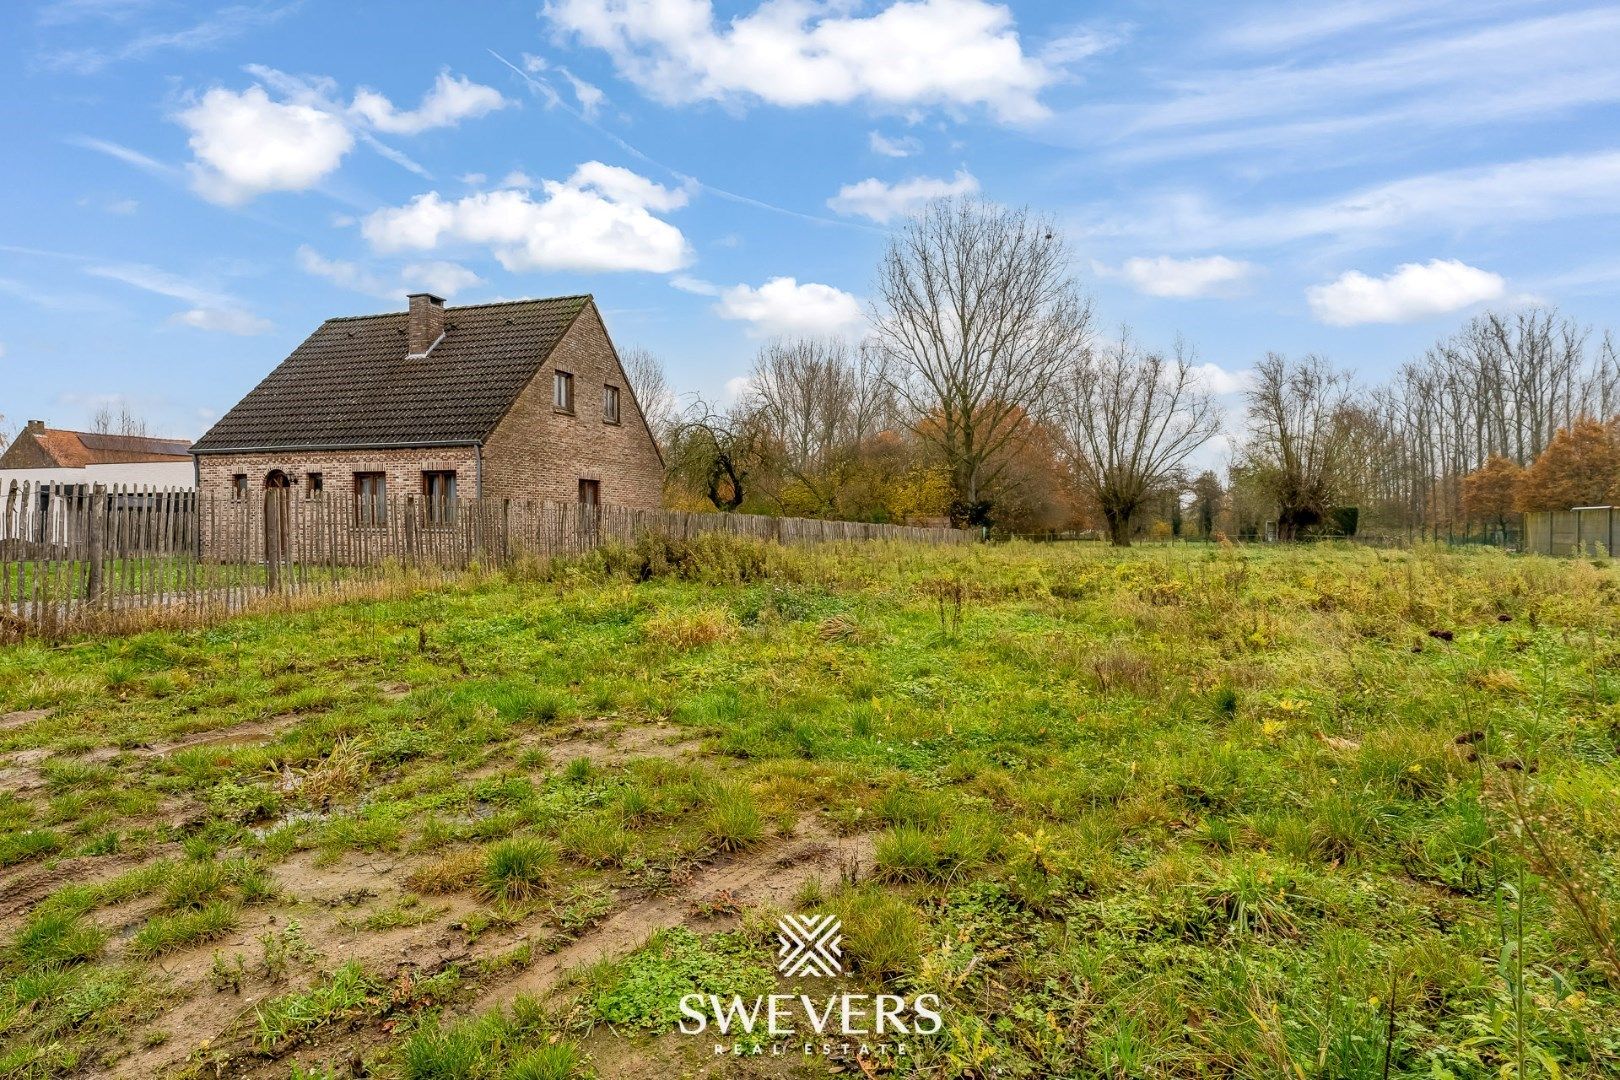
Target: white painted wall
pixel 162 474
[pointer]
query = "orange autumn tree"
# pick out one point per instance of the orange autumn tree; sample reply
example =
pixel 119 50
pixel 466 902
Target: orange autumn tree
pixel 1579 467
pixel 1491 492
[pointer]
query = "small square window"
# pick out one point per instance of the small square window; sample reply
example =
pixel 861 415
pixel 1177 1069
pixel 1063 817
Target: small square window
pixel 439 496
pixel 314 484
pixel 239 488
pixel 562 392
pixel 610 404
pixel 370 498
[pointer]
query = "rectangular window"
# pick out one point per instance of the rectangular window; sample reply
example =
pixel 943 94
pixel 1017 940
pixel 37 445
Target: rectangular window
pixel 439 497
pixel 590 492
pixel 370 498
pixel 562 392
pixel 610 404
pixel 314 484
pixel 239 486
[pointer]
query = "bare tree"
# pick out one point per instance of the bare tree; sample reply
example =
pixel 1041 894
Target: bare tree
pixel 818 402
pixel 1297 450
pixel 977 315
pixel 105 422
pixel 652 391
pixel 1131 419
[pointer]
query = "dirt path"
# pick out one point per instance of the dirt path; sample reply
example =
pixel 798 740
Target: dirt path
pixel 773 874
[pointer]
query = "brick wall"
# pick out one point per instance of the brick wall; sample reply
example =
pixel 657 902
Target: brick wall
pixel 535 451
pixel 539 453
pixel 403 468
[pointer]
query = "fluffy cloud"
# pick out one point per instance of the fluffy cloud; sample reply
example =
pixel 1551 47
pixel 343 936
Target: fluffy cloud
pixel 600 218
pixel 246 144
pixel 874 199
pixel 222 320
pixel 783 306
pixel 1181 279
pixel 904 146
pixel 1221 381
pixel 912 52
pixel 452 99
pixel 1413 291
pixel 443 278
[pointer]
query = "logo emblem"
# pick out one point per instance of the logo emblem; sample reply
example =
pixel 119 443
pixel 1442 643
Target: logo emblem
pixel 809 945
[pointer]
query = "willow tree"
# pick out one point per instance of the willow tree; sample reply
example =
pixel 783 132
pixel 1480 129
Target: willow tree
pixel 977 316
pixel 1131 419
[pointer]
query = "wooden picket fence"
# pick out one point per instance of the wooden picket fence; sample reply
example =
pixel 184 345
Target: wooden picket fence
pixel 82 558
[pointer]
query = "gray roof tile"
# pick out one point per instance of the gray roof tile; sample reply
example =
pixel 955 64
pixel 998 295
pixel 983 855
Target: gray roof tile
pixel 349 383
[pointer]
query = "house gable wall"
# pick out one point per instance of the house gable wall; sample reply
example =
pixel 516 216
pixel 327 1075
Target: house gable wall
pixel 537 452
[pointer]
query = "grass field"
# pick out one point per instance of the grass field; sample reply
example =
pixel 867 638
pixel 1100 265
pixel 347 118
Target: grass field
pixel 1181 812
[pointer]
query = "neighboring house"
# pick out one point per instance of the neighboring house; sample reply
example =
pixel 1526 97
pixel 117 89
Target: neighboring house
pixel 518 400
pixel 60 467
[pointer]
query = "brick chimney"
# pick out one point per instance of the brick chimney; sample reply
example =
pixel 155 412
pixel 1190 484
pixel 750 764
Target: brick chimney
pixel 34 427
pixel 424 326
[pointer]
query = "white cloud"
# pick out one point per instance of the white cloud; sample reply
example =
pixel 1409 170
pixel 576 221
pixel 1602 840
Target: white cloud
pixel 443 278
pixel 247 145
pixel 737 388
pixel 452 99
pixel 222 320
pixel 904 146
pixel 1413 291
pixel 1495 195
pixel 210 309
pixel 1181 279
pixel 600 218
pixel 439 276
pixel 912 52
pixel 783 306
pixel 590 96
pixel 874 199
pixel 1221 381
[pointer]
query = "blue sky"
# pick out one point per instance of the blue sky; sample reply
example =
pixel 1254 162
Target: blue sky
pixel 191 188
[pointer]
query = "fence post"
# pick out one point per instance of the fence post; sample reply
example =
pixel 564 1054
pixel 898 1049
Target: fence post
pixel 96 532
pixel 272 540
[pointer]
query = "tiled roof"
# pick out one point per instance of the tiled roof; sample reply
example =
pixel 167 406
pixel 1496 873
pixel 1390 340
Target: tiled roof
pixel 76 449
pixel 350 385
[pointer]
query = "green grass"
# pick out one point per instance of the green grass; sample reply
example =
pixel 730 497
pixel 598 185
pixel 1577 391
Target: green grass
pixel 1168 812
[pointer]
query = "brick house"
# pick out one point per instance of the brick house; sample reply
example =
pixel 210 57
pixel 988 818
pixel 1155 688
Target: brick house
pixel 518 400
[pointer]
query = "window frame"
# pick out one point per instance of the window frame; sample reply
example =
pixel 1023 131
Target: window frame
pixel 314 485
pixel 438 509
pixel 612 396
pixel 239 487
pixel 370 509
pixel 562 391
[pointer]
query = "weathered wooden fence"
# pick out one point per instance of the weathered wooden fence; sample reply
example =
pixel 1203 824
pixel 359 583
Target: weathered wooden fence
pixel 1584 530
pixel 76 557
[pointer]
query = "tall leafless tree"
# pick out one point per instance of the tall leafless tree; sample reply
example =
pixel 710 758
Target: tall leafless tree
pixel 652 391
pixel 818 402
pixel 1131 419
pixel 977 315
pixel 106 422
pixel 1298 451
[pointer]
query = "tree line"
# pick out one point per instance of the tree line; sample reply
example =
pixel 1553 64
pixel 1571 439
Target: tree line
pixel 984 393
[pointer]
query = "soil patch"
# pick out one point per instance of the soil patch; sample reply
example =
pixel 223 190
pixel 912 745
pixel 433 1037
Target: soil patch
pixel 710 901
